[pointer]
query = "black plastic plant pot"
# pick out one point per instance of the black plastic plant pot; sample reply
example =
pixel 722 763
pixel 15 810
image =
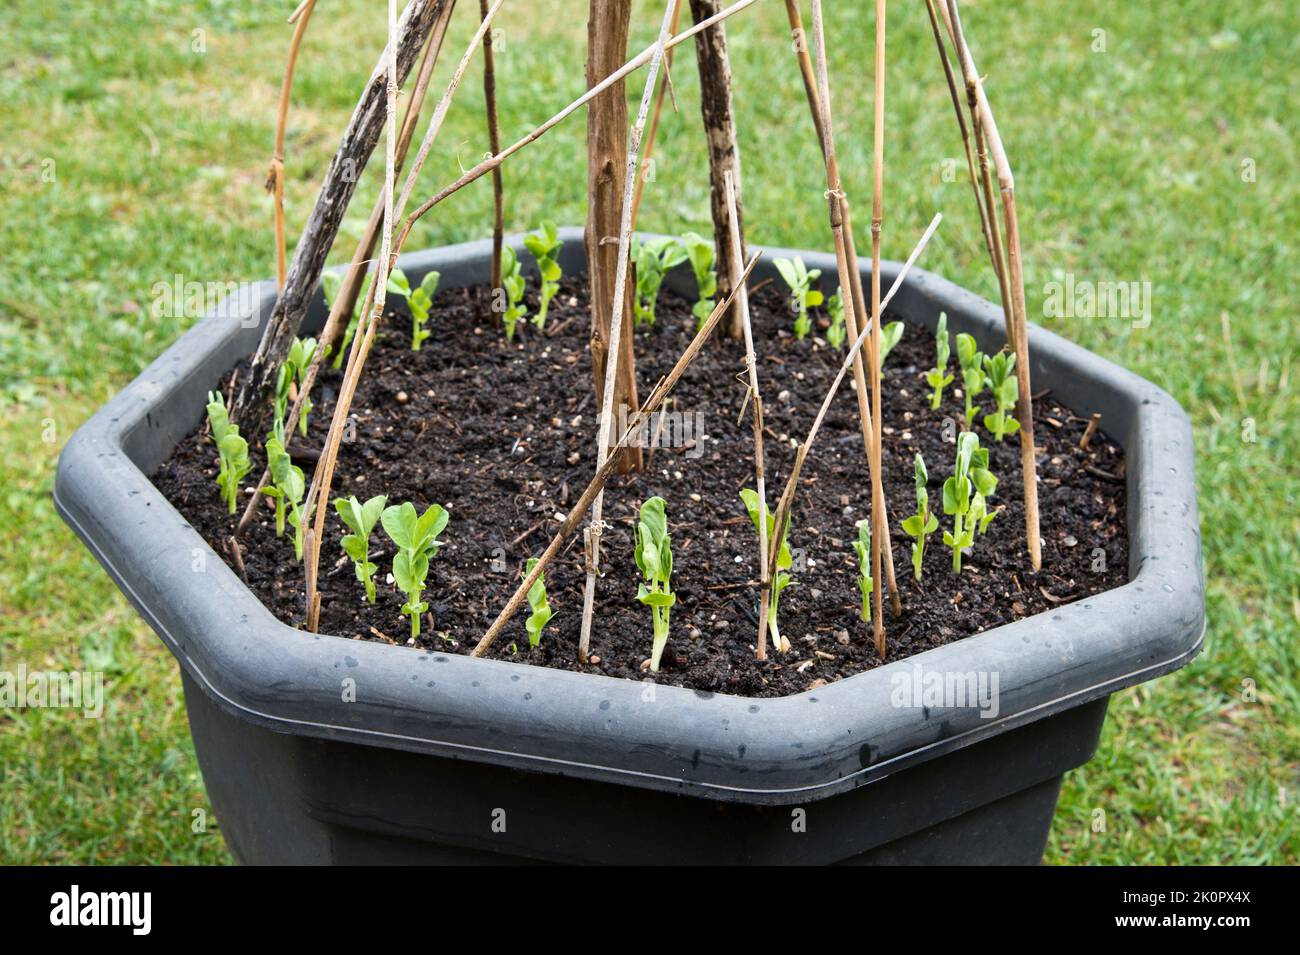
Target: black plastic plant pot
pixel 443 757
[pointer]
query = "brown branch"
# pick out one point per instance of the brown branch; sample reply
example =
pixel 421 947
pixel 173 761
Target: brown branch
pixel 275 175
pixel 751 367
pixel 618 319
pixel 719 118
pixel 654 118
pixel 494 144
pixel 322 226
pixel 1016 280
pixel 584 502
pixel 607 127
pixel 638 61
pixel 877 219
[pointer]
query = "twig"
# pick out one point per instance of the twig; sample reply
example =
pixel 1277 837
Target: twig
pixel 1089 431
pixel 751 366
pixel 960 113
pixel 877 218
pixel 232 548
pixel 848 267
pixel 1016 280
pixel 580 507
pixel 984 194
pixel 846 257
pixel 494 144
pixel 718 114
pixel 654 119
pixel 616 329
pixel 275 175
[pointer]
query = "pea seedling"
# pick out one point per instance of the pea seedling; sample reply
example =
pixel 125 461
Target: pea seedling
pixel 866 585
pixel 964 496
pixel 802 295
pixel 784 560
pixel 654 558
pixel 301 353
pixel 418 300
pixel 836 333
pixel 1006 391
pixel 973 379
pixel 512 280
pixel 937 377
pixel 417 543
pixel 921 524
pixel 537 603
pixel 890 336
pixel 654 260
pixel 232 448
pixel 545 247
pixel 287 488
pixel 361 520
pixel 699 251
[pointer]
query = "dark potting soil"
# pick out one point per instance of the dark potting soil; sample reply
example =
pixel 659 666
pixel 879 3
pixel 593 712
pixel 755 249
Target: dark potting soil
pixel 503 435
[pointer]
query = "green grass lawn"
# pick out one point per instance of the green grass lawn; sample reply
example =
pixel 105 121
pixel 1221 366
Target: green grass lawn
pixel 135 143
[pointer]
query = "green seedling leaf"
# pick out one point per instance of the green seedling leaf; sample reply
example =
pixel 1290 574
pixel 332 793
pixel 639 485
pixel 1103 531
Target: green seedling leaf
pixel 700 253
pixel 866 584
pixel 360 519
pixel 537 603
pixel 937 377
pixel 923 523
pixel 512 283
pixel 802 295
pixel 654 260
pixel 654 558
pixel 232 450
pixel 784 558
pixel 416 537
pixel 970 513
pixel 545 248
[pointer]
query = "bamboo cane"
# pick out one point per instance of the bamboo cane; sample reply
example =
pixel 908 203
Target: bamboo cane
pixel 960 113
pixel 653 132
pixel 275 175
pixel 877 219
pixel 494 144
pixel 616 329
pixel 760 471
pixel 847 264
pixel 1016 280
pixel 984 195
